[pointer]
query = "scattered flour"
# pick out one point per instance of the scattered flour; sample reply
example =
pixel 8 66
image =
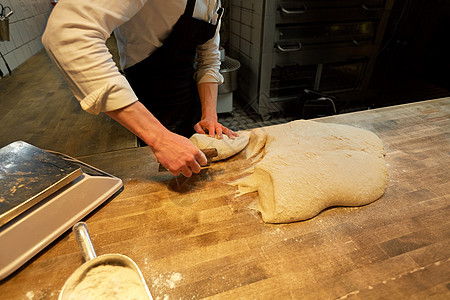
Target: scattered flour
pixel 30 294
pixel 169 281
pixel 162 282
pixel 110 282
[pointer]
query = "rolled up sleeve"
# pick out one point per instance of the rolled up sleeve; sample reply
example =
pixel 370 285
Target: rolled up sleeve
pixel 208 61
pixel 75 40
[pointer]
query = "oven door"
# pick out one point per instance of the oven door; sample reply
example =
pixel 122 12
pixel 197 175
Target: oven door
pixel 289 81
pixel 306 11
pixel 324 35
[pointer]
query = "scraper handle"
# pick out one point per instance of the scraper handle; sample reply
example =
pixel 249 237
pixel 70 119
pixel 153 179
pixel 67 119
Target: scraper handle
pixel 84 240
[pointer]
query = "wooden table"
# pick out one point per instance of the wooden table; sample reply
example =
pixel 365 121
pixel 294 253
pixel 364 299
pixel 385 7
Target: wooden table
pixel 207 243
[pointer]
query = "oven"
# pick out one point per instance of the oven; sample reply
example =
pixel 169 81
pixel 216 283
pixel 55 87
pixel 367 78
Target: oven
pixel 286 47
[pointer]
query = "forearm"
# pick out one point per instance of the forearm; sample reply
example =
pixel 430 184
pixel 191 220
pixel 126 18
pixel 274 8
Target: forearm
pixel 173 151
pixel 208 97
pixel 141 122
pixel 209 124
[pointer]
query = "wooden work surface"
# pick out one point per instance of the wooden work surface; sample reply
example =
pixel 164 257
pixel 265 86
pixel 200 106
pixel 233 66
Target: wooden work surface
pixel 38 107
pixel 207 243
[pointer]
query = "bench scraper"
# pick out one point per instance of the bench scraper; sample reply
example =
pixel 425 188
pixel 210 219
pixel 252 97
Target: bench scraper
pixel 183 184
pixel 210 153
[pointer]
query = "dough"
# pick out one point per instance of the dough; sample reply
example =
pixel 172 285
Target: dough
pixel 305 166
pixel 226 147
pixel 110 282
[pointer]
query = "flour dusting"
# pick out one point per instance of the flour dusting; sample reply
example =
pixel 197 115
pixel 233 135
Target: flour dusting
pixel 164 282
pixel 30 295
pixel 169 280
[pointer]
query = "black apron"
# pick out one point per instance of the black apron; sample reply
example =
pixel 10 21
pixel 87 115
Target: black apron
pixel 164 81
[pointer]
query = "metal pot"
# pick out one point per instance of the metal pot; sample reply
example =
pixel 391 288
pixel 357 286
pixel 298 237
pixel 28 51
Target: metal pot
pixel 228 69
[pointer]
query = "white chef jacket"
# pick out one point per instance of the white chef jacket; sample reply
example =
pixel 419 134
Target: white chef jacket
pixel 75 39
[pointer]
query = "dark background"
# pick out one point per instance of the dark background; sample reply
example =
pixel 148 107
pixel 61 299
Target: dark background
pixel 414 61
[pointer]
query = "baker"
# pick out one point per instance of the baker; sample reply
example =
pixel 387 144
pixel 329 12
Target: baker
pixel 162 98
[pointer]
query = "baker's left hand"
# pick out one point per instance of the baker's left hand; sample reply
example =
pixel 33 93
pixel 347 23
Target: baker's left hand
pixel 213 129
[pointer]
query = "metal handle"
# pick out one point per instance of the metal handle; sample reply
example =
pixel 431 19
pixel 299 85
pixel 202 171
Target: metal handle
pixel 293 12
pixel 355 42
pixel 279 47
pixel 210 153
pixel 366 8
pixel 9 14
pixel 84 240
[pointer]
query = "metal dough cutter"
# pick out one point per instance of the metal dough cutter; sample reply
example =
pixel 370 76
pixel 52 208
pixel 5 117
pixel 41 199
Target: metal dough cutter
pixel 183 184
pixel 210 153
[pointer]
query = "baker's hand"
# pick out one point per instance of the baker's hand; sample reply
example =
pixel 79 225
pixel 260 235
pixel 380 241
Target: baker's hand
pixel 213 128
pixel 178 155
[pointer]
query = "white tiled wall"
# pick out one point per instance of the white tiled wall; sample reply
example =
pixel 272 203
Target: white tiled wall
pixel 26 26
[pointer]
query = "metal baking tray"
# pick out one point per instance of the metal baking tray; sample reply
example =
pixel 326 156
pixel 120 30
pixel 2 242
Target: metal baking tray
pixel 42 196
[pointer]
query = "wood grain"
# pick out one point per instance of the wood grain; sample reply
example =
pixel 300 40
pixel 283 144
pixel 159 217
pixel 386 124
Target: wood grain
pixel 37 107
pixel 207 243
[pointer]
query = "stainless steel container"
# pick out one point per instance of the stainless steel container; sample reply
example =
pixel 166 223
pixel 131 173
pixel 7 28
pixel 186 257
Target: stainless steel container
pixel 228 69
pixel 4 29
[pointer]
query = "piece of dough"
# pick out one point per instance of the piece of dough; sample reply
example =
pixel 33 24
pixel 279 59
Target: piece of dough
pixel 226 147
pixel 307 166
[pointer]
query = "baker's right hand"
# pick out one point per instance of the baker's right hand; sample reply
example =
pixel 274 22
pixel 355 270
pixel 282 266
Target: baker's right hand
pixel 178 155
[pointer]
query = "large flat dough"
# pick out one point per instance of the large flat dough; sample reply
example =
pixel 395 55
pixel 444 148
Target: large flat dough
pixel 305 166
